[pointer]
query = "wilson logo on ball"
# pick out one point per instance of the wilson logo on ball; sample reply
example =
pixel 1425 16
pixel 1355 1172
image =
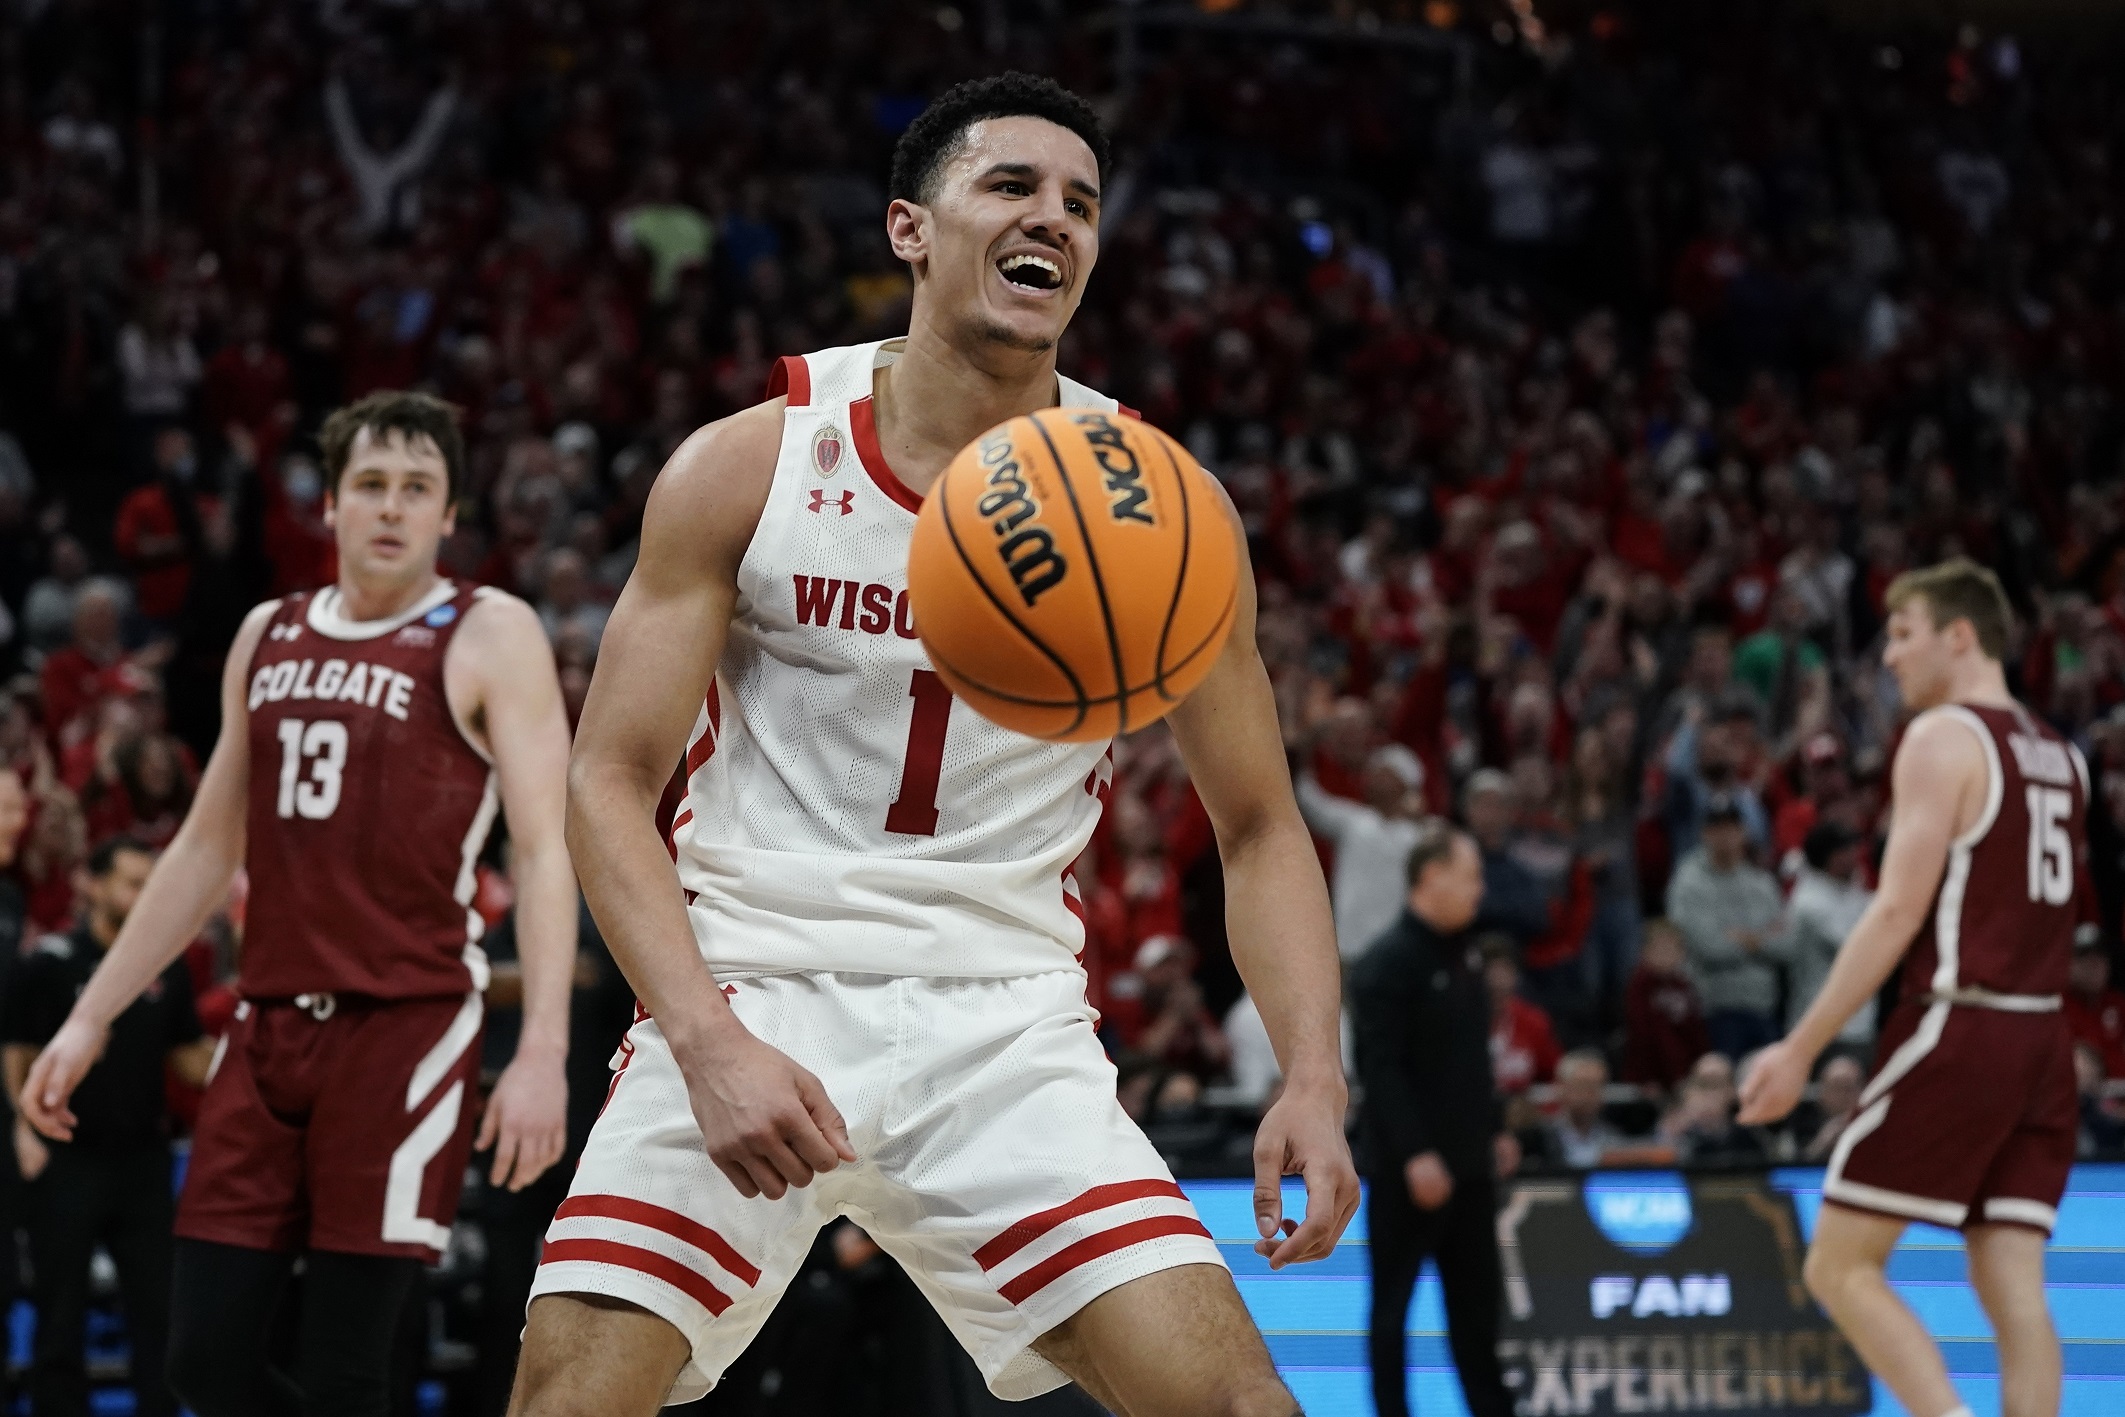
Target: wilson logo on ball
pixel 1028 552
pixel 1118 467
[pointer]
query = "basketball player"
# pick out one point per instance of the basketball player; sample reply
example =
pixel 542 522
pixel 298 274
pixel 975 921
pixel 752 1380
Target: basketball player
pixel 1969 1121
pixel 369 732
pixel 860 992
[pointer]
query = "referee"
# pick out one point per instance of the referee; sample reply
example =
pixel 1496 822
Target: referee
pixel 1421 1014
pixel 112 1182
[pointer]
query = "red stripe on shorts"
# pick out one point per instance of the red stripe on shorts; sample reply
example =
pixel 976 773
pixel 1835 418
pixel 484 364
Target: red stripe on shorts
pixel 1121 1237
pixel 1026 1231
pixel 656 1217
pixel 648 1262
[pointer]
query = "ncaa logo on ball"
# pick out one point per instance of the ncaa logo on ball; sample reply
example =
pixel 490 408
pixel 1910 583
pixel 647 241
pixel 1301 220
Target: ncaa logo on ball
pixel 826 450
pixel 1124 476
pixel 1028 552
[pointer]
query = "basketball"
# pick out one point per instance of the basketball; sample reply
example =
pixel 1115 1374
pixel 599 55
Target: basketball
pixel 1073 574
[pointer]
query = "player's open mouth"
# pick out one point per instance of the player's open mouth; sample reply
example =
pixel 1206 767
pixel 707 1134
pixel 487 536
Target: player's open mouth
pixel 1030 271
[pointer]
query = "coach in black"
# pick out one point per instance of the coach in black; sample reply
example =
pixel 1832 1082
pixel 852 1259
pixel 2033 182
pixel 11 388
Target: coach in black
pixel 1434 1146
pixel 111 1183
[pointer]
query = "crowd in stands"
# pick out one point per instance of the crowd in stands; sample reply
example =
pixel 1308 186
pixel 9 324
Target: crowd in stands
pixel 1581 389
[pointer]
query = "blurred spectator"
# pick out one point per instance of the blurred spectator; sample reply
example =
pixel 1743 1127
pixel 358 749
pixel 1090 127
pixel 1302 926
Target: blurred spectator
pixel 161 533
pixel 674 236
pixel 566 606
pixel 1158 1012
pixel 1514 902
pixel 157 362
pixel 14 905
pixel 1838 1087
pixel 2102 1129
pixel 48 608
pixel 1728 912
pixel 55 847
pixel 1717 758
pixel 1143 878
pixel 1371 839
pixel 385 178
pixel 1826 903
pixel 1578 1137
pixel 93 665
pixel 78 134
pixel 1523 1046
pixel 2095 1012
pixel 110 1184
pixel 1255 1069
pixel 1701 1126
pixel 1825 785
pixel 1664 1031
pixel 247 380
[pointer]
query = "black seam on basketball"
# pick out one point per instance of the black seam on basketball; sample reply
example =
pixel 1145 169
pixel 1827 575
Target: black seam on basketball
pixel 1180 577
pixel 1099 582
pixel 1224 623
pixel 1077 687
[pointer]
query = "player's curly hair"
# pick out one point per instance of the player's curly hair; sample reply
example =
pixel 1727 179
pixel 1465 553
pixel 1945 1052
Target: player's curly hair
pixel 932 138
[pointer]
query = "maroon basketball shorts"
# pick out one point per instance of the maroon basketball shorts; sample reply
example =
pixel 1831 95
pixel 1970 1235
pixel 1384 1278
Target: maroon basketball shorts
pixel 336 1124
pixel 1971 1119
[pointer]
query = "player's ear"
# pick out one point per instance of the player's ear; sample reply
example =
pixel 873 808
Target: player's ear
pixel 907 228
pixel 449 519
pixel 331 509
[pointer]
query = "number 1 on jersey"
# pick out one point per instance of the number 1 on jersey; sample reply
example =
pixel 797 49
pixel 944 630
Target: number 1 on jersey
pixel 914 811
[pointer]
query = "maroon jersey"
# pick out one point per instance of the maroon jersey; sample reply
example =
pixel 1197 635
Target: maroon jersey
pixel 2004 918
pixel 368 806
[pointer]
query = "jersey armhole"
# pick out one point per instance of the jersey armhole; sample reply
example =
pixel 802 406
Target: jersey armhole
pixel 790 376
pixel 1995 775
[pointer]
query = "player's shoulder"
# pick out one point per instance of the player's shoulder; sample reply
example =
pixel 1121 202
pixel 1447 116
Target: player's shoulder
pixel 714 486
pixel 253 629
pixel 496 612
pixel 732 456
pixel 1943 740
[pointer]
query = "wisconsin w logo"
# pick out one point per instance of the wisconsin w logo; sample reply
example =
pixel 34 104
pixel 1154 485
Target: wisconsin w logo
pixel 841 503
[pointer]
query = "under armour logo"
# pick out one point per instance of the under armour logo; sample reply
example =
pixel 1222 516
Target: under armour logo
pixel 284 632
pixel 842 502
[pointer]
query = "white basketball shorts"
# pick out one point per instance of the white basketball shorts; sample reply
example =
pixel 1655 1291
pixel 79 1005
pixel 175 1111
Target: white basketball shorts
pixel 994 1164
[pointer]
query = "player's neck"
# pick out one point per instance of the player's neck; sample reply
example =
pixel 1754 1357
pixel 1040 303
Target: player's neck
pixel 361 601
pixel 934 400
pixel 1982 682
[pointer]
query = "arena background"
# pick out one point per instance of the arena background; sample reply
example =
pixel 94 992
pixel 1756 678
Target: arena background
pixel 1583 373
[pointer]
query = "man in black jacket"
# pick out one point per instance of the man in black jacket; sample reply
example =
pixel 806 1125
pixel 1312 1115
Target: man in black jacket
pixel 1432 1124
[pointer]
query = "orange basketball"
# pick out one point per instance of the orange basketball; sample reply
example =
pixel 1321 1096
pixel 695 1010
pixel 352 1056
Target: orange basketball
pixel 1073 574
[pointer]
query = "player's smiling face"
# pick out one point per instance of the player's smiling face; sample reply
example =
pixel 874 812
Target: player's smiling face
pixel 1010 234
pixel 392 508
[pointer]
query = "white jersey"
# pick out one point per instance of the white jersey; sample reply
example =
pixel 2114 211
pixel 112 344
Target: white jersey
pixel 843 811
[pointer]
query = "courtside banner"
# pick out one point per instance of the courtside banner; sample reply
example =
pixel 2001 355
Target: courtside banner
pixel 1639 1292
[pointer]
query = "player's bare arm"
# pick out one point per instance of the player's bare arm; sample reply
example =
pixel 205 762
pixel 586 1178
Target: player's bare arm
pixel 767 1122
pixel 1276 906
pixel 190 879
pixel 1939 782
pixel 503 687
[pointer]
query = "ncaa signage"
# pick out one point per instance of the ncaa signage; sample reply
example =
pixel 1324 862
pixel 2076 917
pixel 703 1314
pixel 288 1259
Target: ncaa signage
pixel 1639 1292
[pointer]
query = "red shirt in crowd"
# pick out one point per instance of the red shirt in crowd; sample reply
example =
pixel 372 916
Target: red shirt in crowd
pixel 1523 1046
pixel 160 580
pixel 71 685
pixel 1663 1026
pixel 2100 1023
